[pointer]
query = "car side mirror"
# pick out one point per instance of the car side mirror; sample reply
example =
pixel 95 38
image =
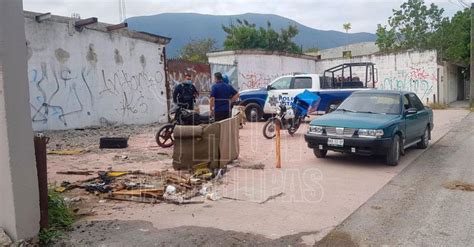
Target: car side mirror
pixel 411 111
pixel 269 87
pixel 332 107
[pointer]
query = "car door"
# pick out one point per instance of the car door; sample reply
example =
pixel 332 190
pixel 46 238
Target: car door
pixel 423 116
pixel 278 92
pixel 300 84
pixel 411 121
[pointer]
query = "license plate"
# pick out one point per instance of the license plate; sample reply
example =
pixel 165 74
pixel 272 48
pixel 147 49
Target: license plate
pixel 336 142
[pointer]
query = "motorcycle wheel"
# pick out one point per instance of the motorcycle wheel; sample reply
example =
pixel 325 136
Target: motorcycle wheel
pixel 164 137
pixel 269 129
pixel 294 128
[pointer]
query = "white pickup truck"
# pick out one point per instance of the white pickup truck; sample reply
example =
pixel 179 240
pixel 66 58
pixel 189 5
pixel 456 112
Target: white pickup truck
pixel 332 91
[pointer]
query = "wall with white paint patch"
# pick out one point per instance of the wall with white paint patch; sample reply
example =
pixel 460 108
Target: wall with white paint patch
pixel 258 68
pixel 92 77
pixel 411 71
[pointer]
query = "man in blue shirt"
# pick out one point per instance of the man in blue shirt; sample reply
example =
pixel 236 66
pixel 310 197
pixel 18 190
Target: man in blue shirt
pixel 222 95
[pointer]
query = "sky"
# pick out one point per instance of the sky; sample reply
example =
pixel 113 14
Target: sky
pixel 364 15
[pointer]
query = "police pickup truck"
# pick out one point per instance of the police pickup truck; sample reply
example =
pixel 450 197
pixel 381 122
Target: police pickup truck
pixel 331 89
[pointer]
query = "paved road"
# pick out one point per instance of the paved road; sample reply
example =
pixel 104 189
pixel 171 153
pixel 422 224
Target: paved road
pixel 414 209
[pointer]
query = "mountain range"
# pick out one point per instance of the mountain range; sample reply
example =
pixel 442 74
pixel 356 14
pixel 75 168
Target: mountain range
pixel 185 27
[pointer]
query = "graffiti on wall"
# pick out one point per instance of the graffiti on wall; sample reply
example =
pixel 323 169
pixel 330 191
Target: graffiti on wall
pixel 229 70
pixel 57 96
pixel 50 88
pixel 132 90
pixel 254 80
pixel 201 74
pixel 422 81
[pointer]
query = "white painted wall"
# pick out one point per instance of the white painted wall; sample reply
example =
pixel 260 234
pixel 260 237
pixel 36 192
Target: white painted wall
pixel 357 49
pixel 256 71
pixel 19 200
pixel 411 71
pixel 258 68
pixel 453 78
pixel 80 79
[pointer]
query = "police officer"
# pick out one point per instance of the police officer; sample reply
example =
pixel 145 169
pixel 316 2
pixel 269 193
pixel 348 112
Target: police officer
pixel 185 93
pixel 222 94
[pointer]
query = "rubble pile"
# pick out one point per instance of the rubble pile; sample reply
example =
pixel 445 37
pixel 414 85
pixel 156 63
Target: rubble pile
pixel 149 187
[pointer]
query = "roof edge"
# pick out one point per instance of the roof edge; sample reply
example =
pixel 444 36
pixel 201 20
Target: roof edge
pixel 102 27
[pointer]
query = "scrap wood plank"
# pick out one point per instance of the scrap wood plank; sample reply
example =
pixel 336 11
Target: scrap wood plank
pixel 133 199
pixel 138 192
pixel 272 197
pixel 85 173
pixel 68 152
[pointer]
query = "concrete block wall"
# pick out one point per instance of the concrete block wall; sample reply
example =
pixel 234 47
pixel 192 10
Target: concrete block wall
pixel 258 68
pixel 91 77
pixel 411 71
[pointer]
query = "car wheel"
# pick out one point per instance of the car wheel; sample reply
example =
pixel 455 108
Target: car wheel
pixel 253 112
pixel 320 154
pixel 393 155
pixel 425 139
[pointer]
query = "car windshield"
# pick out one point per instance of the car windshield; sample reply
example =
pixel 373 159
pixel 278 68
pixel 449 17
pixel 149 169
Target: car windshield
pixel 372 103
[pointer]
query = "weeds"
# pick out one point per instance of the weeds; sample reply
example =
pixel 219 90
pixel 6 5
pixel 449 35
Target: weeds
pixel 438 106
pixel 60 218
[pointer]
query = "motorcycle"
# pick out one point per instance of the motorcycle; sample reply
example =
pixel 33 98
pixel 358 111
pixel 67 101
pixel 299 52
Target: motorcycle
pixel 179 116
pixel 291 119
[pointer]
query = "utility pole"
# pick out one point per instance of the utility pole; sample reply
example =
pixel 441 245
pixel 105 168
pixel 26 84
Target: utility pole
pixel 471 90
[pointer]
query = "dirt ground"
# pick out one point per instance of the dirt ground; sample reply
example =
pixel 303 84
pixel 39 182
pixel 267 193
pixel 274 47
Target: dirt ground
pixel 315 195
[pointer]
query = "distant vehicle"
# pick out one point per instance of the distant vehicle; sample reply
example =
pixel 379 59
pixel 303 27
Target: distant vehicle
pixel 333 87
pixel 374 122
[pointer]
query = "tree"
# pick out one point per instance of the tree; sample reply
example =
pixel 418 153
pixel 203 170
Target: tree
pixel 347 26
pixel 196 50
pixel 413 26
pixel 453 38
pixel 245 35
pixel 418 26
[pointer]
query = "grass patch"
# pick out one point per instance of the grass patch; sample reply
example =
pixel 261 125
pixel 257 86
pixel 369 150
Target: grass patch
pixel 438 106
pixel 60 218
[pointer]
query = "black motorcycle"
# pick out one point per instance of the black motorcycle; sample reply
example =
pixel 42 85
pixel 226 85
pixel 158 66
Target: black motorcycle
pixel 286 118
pixel 179 116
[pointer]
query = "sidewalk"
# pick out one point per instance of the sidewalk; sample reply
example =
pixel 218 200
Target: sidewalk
pixel 420 206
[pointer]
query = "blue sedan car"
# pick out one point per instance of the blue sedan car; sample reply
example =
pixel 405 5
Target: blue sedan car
pixel 373 122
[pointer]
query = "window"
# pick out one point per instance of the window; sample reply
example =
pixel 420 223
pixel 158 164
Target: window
pixel 325 82
pixel 282 83
pixel 416 102
pixel 372 103
pixel 303 83
pixel 406 102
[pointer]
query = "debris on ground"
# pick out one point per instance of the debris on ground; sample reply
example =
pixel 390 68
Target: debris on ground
pixel 68 152
pixel 272 197
pixel 4 238
pixel 258 166
pixel 176 187
pixel 458 185
pixel 84 173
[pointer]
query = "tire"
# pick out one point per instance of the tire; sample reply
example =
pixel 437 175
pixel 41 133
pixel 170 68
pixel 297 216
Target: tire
pixel 253 112
pixel 425 139
pixel 113 142
pixel 320 154
pixel 293 130
pixel 393 155
pixel 269 129
pixel 164 137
